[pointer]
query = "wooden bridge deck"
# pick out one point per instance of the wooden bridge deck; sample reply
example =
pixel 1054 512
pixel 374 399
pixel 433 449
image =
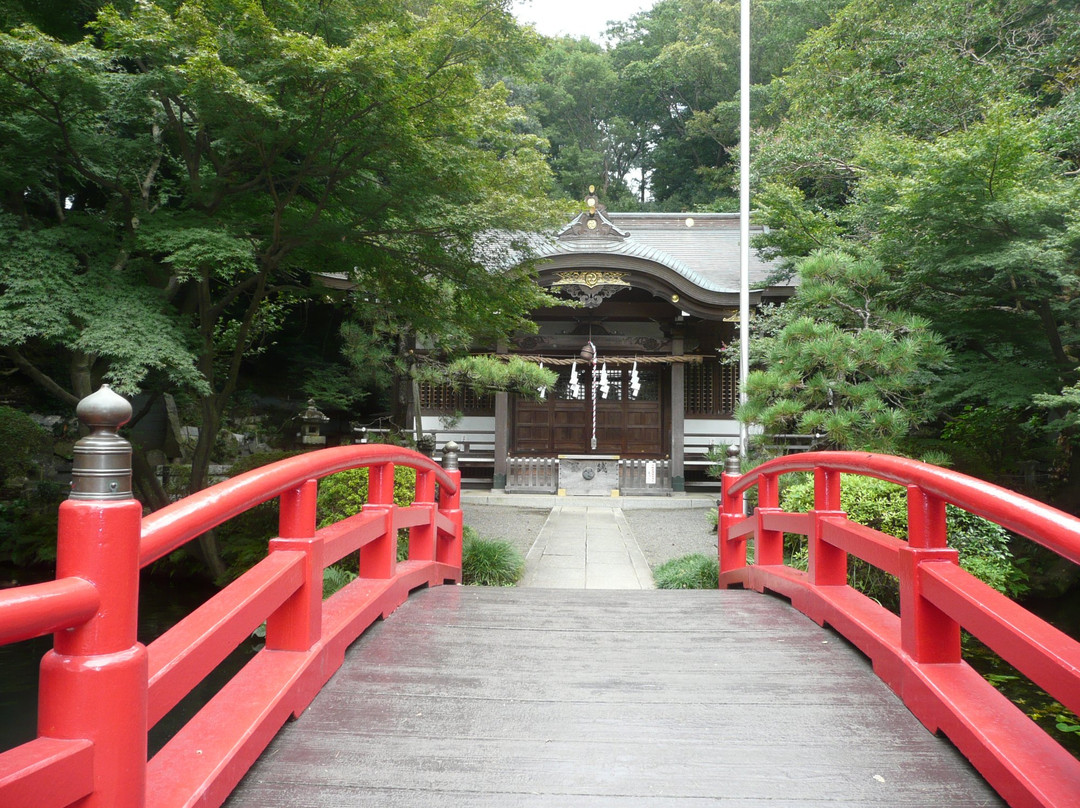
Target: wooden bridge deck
pixel 512 697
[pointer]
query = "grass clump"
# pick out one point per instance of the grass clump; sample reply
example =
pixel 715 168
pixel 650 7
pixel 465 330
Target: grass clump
pixel 489 562
pixel 695 571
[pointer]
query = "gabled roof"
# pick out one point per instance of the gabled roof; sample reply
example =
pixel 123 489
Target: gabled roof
pixel 694 256
pixel 689 259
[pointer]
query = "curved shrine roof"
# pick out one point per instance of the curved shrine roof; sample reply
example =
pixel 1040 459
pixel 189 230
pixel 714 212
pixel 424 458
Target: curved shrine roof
pixel 692 259
pixel 706 252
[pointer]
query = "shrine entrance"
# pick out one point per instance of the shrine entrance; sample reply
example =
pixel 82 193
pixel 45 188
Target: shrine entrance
pixel 631 417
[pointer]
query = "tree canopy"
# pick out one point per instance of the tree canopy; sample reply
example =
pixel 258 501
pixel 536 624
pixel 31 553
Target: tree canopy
pixel 174 174
pixel 938 139
pixel 172 179
pixel 211 156
pixel 652 120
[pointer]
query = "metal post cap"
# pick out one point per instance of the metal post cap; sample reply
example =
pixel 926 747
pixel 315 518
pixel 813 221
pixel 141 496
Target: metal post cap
pixel 733 465
pixel 450 454
pixel 102 464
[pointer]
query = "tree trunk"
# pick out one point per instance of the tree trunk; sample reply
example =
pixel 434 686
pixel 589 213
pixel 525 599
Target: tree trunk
pixel 1053 337
pixel 418 417
pixel 200 472
pixel 81 379
pixel 401 388
pixel 154 495
pixel 39 378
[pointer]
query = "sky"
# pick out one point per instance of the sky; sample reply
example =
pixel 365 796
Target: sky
pixel 576 17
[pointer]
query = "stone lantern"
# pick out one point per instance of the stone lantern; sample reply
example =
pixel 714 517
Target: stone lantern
pixel 311 422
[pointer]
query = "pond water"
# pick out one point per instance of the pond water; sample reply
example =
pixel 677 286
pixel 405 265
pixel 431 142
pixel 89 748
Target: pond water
pixel 1063 613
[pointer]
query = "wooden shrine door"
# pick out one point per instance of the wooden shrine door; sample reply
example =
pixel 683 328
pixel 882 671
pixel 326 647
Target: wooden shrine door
pixel 629 423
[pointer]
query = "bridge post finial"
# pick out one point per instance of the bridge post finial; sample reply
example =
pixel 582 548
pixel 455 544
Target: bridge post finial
pixel 733 463
pixel 450 455
pixel 448 543
pixel 102 459
pixel 94 682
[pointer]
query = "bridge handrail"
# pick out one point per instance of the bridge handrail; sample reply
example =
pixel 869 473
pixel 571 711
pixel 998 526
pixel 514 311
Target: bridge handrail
pixel 1030 518
pixel 917 653
pixel 101 689
pixel 35 610
pixel 165 530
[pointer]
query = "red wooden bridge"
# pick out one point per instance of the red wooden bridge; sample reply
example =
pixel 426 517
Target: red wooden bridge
pixel 719 698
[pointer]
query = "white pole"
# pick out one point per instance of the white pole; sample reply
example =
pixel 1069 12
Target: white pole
pixel 744 213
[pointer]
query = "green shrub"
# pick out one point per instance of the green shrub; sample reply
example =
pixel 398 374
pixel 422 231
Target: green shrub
pixel 489 562
pixel 985 551
pixel 983 545
pixel 712 519
pixel 343 494
pixel 695 571
pixel 28 525
pixel 243 539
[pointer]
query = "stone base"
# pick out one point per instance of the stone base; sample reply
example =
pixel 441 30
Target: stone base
pixel 589 475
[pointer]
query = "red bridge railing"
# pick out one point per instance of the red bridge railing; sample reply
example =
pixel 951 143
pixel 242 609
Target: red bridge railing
pixel 918 653
pixel 101 690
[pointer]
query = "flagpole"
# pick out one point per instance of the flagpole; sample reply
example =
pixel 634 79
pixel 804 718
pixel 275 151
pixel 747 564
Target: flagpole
pixel 744 213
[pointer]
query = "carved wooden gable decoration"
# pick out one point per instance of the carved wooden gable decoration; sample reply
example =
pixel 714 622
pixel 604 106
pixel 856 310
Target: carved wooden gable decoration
pixel 690 261
pixel 593 224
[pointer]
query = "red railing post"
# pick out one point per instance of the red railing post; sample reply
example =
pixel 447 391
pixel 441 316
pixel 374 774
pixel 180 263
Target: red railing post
pixel 927 634
pixel 769 544
pixel 378 559
pixel 297 624
pixel 94 681
pixel 827 563
pixel 731 552
pixel 422 537
pixel 448 546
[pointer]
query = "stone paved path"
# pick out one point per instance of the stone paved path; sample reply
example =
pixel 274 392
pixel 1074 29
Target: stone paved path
pixel 586 547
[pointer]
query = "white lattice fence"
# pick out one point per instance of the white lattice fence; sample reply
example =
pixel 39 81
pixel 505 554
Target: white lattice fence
pixel 644 477
pixel 532 474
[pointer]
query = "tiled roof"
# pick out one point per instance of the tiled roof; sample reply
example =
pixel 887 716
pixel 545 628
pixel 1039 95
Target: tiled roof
pixel 702 247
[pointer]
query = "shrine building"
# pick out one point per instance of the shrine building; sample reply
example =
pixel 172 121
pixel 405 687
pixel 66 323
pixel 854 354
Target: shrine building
pixel 657 295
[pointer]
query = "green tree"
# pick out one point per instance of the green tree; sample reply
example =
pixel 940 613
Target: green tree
pixel 659 109
pixel 212 155
pixel 842 366
pixel 940 139
pixel 678 65
pixel 574 104
pixel 676 60
pixel 923 69
pixel 62 287
pixel 980 234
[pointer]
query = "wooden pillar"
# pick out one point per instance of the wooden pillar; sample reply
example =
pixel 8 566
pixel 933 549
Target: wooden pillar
pixel 502 431
pixel 502 437
pixel 678 412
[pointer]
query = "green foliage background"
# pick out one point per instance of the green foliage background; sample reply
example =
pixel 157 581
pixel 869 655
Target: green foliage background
pixel 344 494
pixel 984 546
